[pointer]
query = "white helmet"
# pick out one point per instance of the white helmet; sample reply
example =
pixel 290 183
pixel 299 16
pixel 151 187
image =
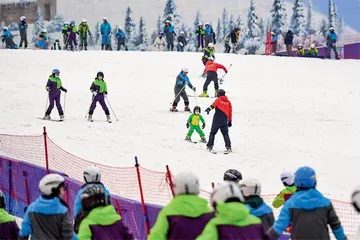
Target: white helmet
pixel 44 31
pixel 211 45
pixel 22 18
pixel 182 33
pixel 186 183
pixel 250 187
pixel 185 70
pixel 105 18
pixel 84 20
pixel 50 183
pixel 66 23
pixel 225 191
pixel 331 29
pixel 355 198
pixel 287 177
pixel 312 45
pixel 207 24
pixel 200 24
pixel 120 27
pixel 92 174
pixel 167 21
pixel 5 28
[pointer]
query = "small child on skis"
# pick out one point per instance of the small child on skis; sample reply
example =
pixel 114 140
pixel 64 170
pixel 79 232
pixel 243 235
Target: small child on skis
pixel 99 91
pixel 181 81
pixel 193 123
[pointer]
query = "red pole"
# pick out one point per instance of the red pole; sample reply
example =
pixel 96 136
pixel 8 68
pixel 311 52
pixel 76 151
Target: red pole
pixel 118 207
pixel 46 151
pixel 168 175
pixel 142 197
pixel 213 185
pixel 27 188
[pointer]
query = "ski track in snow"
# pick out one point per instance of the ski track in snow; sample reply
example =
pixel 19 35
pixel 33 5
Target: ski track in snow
pixel 287 113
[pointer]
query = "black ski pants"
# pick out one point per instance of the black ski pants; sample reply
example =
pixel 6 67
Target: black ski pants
pixel 180 92
pixel 224 131
pixel 211 76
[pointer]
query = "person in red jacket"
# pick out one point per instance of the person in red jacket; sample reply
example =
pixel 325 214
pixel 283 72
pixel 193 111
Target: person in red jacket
pixel 222 120
pixel 211 75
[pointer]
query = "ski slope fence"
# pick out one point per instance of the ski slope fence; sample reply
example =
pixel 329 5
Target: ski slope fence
pixel 138 194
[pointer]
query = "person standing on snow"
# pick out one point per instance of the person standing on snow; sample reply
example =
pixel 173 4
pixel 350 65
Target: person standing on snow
pixel 54 87
pixel 181 42
pixel 105 30
pixel 287 179
pixel 65 33
pixel 193 123
pixel 181 81
pixel 99 92
pixel 48 216
pixel 120 38
pixel 159 42
pixel 209 34
pixel 72 36
pixel 200 33
pixel 308 211
pixel 222 120
pixel 83 32
pixel 288 40
pixel 170 34
pixel 186 215
pixel 23 32
pixel 8 226
pixel 211 75
pixel 331 43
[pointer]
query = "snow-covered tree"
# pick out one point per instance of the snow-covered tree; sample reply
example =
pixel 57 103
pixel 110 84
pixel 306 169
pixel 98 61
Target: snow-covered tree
pixel 56 24
pixel 14 26
pixel 331 16
pixel 242 33
pixel 252 42
pixel 262 28
pixel 323 27
pixel 157 30
pixel 225 23
pixel 197 19
pixel 341 25
pixel 219 32
pixel 141 40
pixel 309 28
pixel 298 18
pixel 129 27
pixel 335 13
pixel 3 24
pixel 278 17
pixel 39 24
pixel 171 14
pixel 231 23
pixel 97 33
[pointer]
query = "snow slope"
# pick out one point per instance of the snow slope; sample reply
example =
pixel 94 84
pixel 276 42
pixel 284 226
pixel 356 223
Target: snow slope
pixel 288 112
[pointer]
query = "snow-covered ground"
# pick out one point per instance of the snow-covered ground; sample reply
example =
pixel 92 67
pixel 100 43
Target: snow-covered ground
pixel 288 112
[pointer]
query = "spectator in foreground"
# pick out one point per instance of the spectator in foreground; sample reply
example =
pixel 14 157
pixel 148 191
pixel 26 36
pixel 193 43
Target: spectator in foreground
pixel 8 227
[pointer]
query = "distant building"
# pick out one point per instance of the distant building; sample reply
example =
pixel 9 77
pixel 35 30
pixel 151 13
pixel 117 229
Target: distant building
pixel 12 10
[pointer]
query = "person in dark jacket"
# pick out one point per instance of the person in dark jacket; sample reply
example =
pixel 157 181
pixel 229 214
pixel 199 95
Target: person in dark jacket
pixel 23 32
pixel 222 120
pixel 181 42
pixel 251 189
pixel 200 33
pixel 209 34
pixel 99 91
pixel 72 36
pixel 186 215
pixel 48 217
pixel 308 211
pixel 289 37
pixel 54 87
pixel 8 228
pixel 331 43
pixel 170 34
pixel 234 37
pixel 120 38
pixel 182 80
pixel 100 220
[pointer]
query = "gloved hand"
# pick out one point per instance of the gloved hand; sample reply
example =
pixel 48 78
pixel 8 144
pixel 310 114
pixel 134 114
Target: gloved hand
pixel 47 89
pixel 65 90
pixel 229 124
pixel 94 93
pixel 194 88
pixel 187 125
pixel 203 126
pixel 208 110
pixel 226 71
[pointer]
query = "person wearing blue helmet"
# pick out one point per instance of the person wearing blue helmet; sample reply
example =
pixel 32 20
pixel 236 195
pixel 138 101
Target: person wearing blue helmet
pixel 308 211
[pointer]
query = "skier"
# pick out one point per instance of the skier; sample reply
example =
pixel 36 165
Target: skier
pixel 8 227
pixel 23 32
pixel 100 220
pixel 308 211
pixel 222 120
pixel 99 91
pixel 83 32
pixel 312 51
pixel 48 217
pixel 300 51
pixel 121 38
pixel 7 38
pixel 355 199
pixel 53 86
pixel 181 81
pixel 274 40
pixel 233 220
pixel 65 33
pixel 170 34
pixel 211 75
pixel 92 176
pixel 209 34
pixel 159 43
pixel 251 189
pixel 194 124
pixel 185 209
pixel 72 36
pixel 331 43
pixel 42 42
pixel 234 36
pixel 289 37
pixel 181 42
pixel 105 30
pixel 232 175
pixel 287 179
pixel 208 53
pixel 200 33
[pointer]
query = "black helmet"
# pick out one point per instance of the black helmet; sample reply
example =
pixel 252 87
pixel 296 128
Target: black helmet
pixel 93 196
pixel 232 175
pixel 2 200
pixel 100 74
pixel 221 92
pixel 197 108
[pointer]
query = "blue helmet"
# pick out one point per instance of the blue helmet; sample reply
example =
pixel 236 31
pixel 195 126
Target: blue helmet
pixel 72 22
pixel 55 71
pixel 305 177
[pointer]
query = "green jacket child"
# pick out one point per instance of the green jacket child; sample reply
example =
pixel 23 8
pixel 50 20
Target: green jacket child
pixel 193 123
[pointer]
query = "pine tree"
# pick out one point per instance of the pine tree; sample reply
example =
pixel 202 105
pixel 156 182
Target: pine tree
pixel 331 17
pixel 252 43
pixel 219 32
pixel 142 41
pixel 197 19
pixel 97 33
pixel 231 23
pixel 309 28
pixel 335 13
pixel 278 17
pixel 323 27
pixel 56 24
pixel 242 33
pixel 341 25
pixel 129 28
pixel 158 29
pixel 298 18
pixel 262 28
pixel 171 14
pixel 225 23
pixel 39 24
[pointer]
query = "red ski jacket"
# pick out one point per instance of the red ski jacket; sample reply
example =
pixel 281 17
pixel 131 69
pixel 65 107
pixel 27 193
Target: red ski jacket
pixel 222 103
pixel 213 67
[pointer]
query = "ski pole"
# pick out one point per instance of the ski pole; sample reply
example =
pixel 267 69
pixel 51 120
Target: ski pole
pixel 64 102
pixel 222 79
pixel 47 100
pixel 111 108
pixel 178 94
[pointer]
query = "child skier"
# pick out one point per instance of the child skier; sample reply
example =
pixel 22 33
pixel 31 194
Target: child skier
pixel 194 124
pixel 83 32
pixel 53 86
pixel 211 75
pixel 8 227
pixel 99 91
pixel 208 54
pixel 287 179
pixel 181 81
pixel 159 42
pixel 72 36
pixel 312 51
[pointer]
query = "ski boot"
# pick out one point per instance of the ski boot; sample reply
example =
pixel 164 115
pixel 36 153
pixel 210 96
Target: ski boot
pixel 90 118
pixel 204 94
pixel 47 117
pixel 228 150
pixel 209 148
pixel 108 119
pixel 187 109
pixel 173 109
pixel 187 138
pixel 203 140
pixel 61 117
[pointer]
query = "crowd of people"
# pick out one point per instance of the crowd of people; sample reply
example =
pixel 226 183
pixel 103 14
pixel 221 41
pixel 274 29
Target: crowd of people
pixel 237 211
